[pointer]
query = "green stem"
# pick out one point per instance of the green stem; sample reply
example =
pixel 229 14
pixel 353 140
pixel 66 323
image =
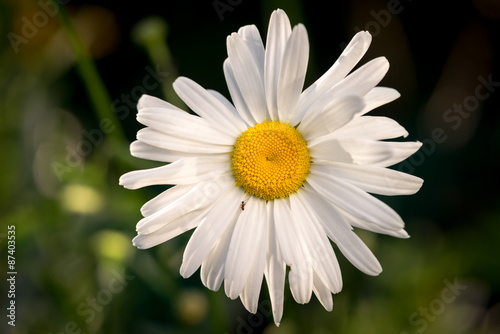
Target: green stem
pixel 94 85
pixel 151 34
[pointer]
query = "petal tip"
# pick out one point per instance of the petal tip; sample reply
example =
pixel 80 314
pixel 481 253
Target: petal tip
pixel 142 102
pixel 123 181
pixel 137 243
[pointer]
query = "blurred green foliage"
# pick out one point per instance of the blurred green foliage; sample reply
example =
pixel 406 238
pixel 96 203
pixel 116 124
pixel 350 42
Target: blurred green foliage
pixel 68 88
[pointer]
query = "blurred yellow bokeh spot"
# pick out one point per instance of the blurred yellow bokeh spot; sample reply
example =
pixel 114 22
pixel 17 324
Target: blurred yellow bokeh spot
pixel 112 245
pixel 79 198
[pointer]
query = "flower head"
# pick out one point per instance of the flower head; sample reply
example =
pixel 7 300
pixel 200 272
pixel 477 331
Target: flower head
pixel 269 180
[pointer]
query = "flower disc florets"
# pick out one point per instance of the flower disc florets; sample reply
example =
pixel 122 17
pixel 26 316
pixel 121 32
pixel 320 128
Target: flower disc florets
pixel 270 160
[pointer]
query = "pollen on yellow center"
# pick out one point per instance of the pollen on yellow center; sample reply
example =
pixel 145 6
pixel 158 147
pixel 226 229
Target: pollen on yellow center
pixel 270 160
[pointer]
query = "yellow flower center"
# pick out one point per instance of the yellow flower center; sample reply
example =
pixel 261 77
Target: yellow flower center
pixel 270 160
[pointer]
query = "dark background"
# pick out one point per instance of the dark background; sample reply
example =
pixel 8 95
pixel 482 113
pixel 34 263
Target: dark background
pixel 74 223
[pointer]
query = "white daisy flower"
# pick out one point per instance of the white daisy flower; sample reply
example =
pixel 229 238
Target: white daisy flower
pixel 270 180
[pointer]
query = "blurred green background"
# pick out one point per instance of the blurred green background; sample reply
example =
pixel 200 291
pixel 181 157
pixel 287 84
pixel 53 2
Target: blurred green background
pixel 71 73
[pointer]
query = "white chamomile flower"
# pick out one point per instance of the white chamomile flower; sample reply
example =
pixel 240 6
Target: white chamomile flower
pixel 270 179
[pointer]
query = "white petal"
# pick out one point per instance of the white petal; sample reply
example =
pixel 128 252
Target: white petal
pixel 369 226
pixel 323 258
pixel 361 151
pixel 379 96
pixel 250 294
pixel 398 234
pixel 227 103
pixel 364 78
pixel 355 201
pixel 323 294
pixel 165 198
pixel 248 76
pixel 328 150
pixel 344 64
pixel 210 230
pixel 350 56
pixel 185 126
pixel 207 106
pixel 379 153
pixel 341 233
pixel 370 127
pixel 275 269
pixel 212 268
pixel 294 251
pixel 278 33
pixel 402 234
pixel 198 197
pixel 175 143
pixel 292 73
pixel 184 171
pixel 313 108
pixel 243 248
pixel 251 36
pixel 174 228
pixel 372 179
pixel 336 114
pixel 148 101
pixel 236 95
pixel 142 150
